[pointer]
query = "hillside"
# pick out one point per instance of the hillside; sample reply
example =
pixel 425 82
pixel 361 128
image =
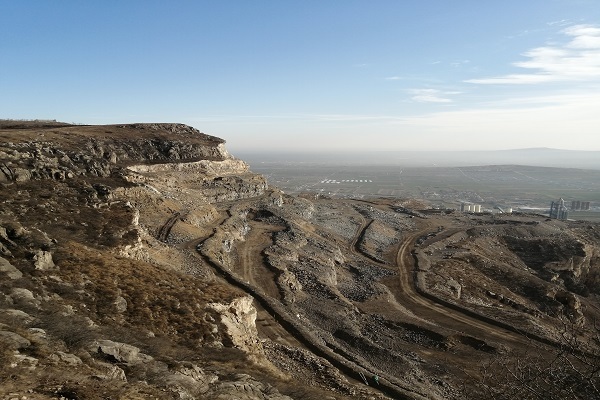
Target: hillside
pixel 144 261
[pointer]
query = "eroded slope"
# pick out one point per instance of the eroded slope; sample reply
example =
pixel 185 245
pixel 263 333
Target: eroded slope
pixel 145 261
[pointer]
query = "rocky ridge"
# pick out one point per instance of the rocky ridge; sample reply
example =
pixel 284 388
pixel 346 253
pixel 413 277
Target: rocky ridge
pixel 73 200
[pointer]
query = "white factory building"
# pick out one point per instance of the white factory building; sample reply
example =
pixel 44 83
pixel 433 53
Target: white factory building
pixel 475 208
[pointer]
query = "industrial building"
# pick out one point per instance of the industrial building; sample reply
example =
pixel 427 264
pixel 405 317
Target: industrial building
pixel 577 205
pixel 558 210
pixel 475 208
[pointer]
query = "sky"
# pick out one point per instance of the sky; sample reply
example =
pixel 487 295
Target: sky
pixel 313 75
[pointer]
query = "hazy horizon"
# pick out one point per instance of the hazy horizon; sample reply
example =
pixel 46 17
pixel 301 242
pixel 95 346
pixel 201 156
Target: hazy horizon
pixel 541 157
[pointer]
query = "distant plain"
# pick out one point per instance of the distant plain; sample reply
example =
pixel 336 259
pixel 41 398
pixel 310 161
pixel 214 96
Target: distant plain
pixel 526 188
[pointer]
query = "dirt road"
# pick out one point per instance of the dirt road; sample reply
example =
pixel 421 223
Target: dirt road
pixel 438 313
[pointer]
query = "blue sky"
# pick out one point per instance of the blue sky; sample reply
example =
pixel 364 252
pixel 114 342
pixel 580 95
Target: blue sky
pixel 314 75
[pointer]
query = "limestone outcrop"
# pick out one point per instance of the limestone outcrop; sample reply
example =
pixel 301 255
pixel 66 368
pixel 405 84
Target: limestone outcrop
pixel 98 151
pixel 236 322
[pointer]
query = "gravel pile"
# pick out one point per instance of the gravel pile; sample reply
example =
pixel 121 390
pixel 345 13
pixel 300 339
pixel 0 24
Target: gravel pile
pixel 359 281
pixel 336 218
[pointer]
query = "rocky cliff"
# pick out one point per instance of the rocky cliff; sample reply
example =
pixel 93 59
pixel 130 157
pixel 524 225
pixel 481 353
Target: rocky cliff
pixel 91 281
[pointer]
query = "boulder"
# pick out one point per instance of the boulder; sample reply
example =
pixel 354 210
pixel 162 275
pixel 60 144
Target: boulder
pixel 24 361
pixel 5 251
pixel 21 175
pixel 42 260
pixel 38 334
pixel 107 371
pixel 4 236
pixel 23 296
pixel 189 382
pixel 11 271
pixel 455 288
pixel 120 352
pixel 120 304
pixel 67 358
pixel 20 315
pixel 13 340
pixel 245 387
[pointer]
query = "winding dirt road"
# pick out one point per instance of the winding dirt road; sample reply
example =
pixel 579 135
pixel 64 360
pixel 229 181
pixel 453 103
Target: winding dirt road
pixel 438 313
pixel 478 331
pixel 275 322
pixel 453 315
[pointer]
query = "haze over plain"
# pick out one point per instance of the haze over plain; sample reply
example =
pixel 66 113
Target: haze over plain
pixel 314 76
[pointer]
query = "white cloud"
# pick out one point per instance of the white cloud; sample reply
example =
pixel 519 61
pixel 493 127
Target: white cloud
pixel 562 22
pixel 347 117
pixel 459 63
pixel 585 37
pixel 431 95
pixel 577 60
pixel 561 121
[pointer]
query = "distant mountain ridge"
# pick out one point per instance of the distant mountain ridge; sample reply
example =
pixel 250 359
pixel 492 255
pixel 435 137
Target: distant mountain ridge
pixel 541 157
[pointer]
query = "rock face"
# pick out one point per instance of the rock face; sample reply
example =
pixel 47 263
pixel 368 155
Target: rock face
pixel 215 181
pixel 237 320
pixel 124 192
pixel 97 150
pixel 170 156
pixel 203 167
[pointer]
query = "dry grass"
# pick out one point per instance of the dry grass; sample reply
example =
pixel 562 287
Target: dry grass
pixel 76 384
pixel 158 299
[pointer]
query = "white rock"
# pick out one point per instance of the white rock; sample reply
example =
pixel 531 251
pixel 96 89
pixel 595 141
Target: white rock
pixel 25 361
pixel 42 260
pixel 237 323
pixel 121 304
pixel 122 352
pixel 109 371
pixel 66 358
